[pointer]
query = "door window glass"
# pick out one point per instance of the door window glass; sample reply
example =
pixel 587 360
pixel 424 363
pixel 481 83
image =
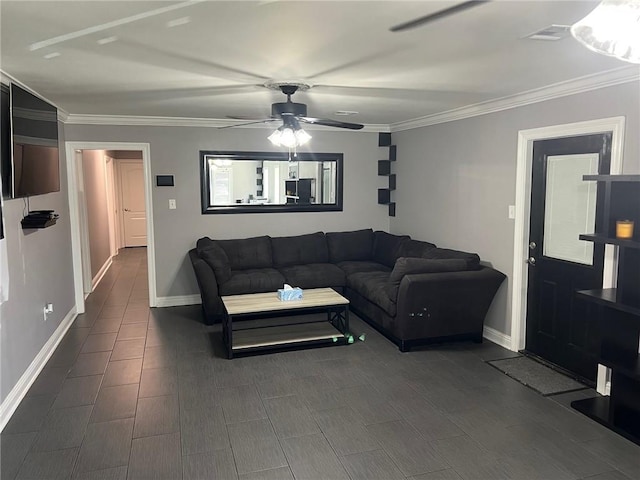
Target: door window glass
pixel 570 207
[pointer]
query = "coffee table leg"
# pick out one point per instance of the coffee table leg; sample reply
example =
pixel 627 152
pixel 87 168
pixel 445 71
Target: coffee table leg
pixel 346 319
pixel 229 336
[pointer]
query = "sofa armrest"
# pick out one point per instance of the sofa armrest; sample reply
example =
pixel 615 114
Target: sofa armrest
pixel 208 285
pixel 448 303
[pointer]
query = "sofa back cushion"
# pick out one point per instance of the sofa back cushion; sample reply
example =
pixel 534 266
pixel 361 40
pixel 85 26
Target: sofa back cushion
pixel 344 246
pixel 412 265
pixel 386 247
pixel 414 248
pixel 248 253
pixel 215 257
pixel 472 259
pixel 300 250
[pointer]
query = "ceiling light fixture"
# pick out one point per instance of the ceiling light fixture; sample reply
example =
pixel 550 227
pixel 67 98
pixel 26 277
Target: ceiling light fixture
pixel 613 29
pixel 290 134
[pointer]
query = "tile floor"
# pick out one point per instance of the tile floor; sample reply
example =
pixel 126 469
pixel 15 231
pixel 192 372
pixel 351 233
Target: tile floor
pixel 133 392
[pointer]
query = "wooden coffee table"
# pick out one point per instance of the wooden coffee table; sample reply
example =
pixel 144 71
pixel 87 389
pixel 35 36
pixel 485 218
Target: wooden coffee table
pixel 303 334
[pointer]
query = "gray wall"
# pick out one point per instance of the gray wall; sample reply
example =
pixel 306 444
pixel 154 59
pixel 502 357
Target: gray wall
pixel 455 180
pixel 95 195
pixel 175 150
pixel 40 272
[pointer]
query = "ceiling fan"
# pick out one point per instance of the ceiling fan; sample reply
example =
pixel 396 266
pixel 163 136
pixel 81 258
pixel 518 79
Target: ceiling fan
pixel 437 15
pixel 292 113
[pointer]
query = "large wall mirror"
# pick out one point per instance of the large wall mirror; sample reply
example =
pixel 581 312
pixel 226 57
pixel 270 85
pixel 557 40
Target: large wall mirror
pixel 254 182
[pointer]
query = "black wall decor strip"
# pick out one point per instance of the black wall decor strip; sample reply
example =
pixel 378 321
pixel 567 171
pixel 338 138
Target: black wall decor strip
pixel 384 139
pixel 384 169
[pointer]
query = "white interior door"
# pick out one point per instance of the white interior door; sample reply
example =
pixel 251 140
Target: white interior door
pixel 134 219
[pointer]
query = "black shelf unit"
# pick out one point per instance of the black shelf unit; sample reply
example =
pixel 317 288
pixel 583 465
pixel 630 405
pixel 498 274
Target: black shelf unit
pixel 620 311
pixel 611 240
pixel 385 170
pixel 34 225
pixel 300 191
pixel 39 219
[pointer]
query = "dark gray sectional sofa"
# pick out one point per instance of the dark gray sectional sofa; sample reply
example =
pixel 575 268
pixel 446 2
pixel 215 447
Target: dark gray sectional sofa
pixel 411 291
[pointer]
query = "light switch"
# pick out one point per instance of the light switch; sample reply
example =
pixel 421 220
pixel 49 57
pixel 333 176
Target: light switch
pixel 172 204
pixel 512 212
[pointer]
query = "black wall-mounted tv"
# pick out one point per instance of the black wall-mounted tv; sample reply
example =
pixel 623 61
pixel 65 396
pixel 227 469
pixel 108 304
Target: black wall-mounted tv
pixel 5 141
pixel 32 165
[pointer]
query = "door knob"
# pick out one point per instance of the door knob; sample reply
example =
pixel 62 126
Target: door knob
pixel 532 246
pixel 531 261
pixel 127 210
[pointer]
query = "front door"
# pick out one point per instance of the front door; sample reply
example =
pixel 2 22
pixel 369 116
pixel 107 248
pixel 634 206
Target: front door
pixel 562 328
pixel 133 203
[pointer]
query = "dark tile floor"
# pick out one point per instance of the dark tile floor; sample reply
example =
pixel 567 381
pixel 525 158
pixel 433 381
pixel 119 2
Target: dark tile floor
pixel 133 392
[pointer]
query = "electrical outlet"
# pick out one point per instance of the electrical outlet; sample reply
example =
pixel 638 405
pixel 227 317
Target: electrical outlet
pixel 172 204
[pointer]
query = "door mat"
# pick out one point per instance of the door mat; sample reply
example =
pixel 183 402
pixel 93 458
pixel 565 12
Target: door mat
pixel 537 376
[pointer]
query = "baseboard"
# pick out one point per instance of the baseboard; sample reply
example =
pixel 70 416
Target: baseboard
pixel 178 301
pixel 21 388
pixel 101 273
pixel 497 337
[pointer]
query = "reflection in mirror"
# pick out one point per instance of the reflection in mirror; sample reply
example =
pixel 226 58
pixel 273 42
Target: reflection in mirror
pixel 252 182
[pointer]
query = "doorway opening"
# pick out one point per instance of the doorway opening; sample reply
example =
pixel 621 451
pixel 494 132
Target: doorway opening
pixel 526 139
pixel 110 210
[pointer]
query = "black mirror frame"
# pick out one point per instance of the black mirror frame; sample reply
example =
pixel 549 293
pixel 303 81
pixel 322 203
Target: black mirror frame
pixel 271 156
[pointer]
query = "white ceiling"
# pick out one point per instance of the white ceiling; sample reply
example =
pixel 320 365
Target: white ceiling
pixel 212 64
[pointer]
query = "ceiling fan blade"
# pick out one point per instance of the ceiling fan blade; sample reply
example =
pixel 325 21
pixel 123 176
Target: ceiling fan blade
pixel 245 117
pixel 437 15
pixel 265 120
pixel 331 123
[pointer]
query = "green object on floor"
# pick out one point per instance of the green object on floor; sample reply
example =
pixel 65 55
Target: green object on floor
pixel 351 338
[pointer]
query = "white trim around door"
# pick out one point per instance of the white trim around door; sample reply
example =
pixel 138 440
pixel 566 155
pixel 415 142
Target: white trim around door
pixel 523 199
pixel 76 217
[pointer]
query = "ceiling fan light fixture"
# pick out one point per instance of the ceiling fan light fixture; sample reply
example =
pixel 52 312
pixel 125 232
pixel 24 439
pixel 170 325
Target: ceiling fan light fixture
pixel 613 29
pixel 289 137
pixel 275 137
pixel 302 137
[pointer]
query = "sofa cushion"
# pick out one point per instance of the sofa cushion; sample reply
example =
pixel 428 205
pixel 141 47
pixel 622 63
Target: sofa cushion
pixel 362 266
pixel 472 259
pixel 314 275
pixel 372 286
pixel 252 281
pixel 356 245
pixel 247 253
pixel 410 265
pixel 386 247
pixel 215 257
pixel 299 250
pixel 414 248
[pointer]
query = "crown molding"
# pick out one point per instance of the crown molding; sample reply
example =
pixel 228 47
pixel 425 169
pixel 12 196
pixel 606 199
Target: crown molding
pixel 130 120
pixel 62 116
pixel 550 92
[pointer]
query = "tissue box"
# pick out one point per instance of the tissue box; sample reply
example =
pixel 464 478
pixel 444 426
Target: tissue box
pixel 289 294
